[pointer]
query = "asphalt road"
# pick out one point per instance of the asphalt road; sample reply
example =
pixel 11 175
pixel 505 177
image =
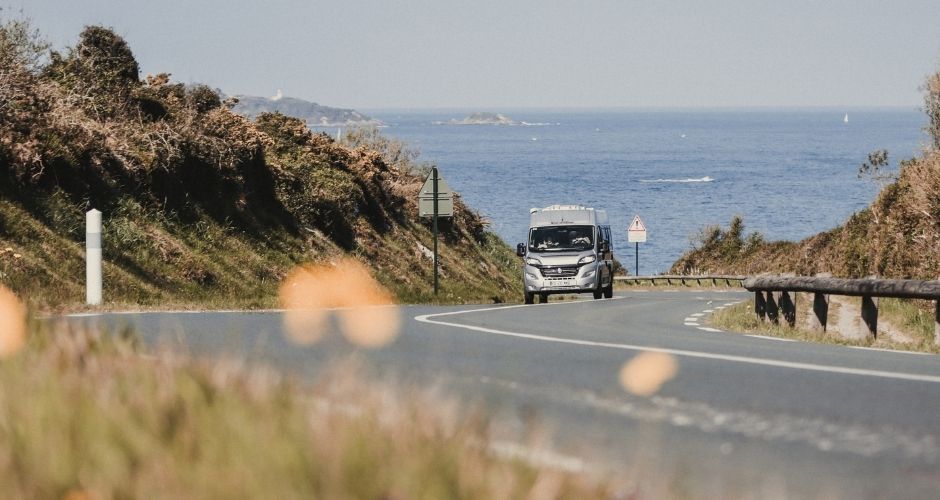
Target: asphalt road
pixel 743 416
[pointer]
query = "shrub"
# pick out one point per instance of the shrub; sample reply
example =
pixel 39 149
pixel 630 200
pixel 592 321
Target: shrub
pixel 202 98
pixel 932 107
pixel 21 46
pixel 100 72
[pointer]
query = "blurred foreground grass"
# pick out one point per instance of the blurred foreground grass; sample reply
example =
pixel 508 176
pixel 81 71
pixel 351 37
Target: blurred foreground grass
pixel 89 415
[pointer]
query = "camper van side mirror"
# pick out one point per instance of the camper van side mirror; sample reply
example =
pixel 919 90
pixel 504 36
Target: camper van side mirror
pixel 520 249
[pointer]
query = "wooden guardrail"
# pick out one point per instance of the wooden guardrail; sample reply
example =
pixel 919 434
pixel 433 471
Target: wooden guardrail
pixel 670 278
pixel 772 297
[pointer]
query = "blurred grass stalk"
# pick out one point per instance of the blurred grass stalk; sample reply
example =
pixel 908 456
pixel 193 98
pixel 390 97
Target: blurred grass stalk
pixel 85 414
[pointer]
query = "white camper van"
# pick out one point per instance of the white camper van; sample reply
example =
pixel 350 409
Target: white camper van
pixel 569 251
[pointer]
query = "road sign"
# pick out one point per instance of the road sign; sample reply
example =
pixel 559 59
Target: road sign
pixel 445 198
pixel 435 200
pixel 636 233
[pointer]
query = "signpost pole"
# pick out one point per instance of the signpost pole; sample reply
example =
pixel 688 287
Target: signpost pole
pixel 636 233
pixel 434 180
pixel 435 200
pixel 637 254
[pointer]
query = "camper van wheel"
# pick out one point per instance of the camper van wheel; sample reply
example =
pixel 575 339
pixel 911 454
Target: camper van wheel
pixel 597 294
pixel 529 298
pixel 543 298
pixel 609 291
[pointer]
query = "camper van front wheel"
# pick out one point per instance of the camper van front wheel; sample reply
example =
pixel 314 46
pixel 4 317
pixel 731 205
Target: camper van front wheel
pixel 529 297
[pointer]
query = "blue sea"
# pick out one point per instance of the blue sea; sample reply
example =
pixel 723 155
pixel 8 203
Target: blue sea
pixel 790 173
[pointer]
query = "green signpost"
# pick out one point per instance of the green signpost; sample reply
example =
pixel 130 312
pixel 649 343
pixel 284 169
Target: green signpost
pixel 435 200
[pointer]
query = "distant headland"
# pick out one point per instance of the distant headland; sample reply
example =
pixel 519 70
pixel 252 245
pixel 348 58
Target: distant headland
pixel 314 114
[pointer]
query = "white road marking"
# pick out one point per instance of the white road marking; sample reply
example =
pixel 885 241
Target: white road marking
pixel 708 311
pixel 690 323
pixel 765 337
pixel 696 315
pixel 707 329
pixel 429 318
pixel 182 311
pixel 889 350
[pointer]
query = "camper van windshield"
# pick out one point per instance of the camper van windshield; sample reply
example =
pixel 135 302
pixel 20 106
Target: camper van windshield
pixel 561 238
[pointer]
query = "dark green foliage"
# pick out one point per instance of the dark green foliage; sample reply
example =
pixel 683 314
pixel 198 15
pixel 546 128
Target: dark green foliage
pixel 319 192
pixel 715 248
pixel 107 55
pixel 874 168
pixel 876 161
pixel 202 98
pixel 100 72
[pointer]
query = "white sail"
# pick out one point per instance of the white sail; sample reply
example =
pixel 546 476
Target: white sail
pixel 845 119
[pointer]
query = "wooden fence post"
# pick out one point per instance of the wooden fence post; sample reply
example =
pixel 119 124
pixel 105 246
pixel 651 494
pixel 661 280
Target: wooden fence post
pixel 936 322
pixel 820 311
pixel 773 311
pixel 821 307
pixel 760 306
pixel 788 308
pixel 870 315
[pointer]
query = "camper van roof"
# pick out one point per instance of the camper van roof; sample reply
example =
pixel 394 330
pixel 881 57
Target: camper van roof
pixel 567 214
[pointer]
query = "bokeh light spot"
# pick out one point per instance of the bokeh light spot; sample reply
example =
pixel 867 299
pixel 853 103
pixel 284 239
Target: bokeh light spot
pixel 12 323
pixel 367 313
pixel 647 372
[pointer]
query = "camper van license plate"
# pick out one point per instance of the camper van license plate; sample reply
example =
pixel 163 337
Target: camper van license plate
pixel 560 283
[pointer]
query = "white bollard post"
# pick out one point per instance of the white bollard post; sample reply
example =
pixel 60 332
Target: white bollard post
pixel 93 257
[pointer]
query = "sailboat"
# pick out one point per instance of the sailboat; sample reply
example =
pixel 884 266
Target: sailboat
pixel 846 118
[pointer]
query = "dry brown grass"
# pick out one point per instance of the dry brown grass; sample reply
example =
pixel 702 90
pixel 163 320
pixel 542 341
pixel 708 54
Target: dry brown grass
pixel 86 414
pixel 903 324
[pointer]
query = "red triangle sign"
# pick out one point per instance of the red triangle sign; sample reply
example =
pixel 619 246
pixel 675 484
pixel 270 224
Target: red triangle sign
pixel 637 225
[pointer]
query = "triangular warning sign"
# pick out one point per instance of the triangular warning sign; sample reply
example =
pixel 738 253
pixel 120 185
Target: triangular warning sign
pixel 443 190
pixel 637 225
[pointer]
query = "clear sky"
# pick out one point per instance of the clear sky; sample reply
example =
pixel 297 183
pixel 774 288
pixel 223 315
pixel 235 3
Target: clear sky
pixel 527 53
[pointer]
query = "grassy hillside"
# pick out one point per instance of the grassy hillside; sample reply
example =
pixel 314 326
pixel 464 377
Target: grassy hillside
pixel 202 206
pixel 897 236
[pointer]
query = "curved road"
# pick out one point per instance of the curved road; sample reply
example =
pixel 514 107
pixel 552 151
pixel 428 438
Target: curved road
pixel 744 416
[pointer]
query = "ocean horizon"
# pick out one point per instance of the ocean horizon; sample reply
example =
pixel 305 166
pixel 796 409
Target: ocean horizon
pixel 789 172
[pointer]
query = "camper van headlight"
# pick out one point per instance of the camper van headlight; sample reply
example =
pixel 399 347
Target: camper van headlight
pixel 587 259
pixel 532 261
